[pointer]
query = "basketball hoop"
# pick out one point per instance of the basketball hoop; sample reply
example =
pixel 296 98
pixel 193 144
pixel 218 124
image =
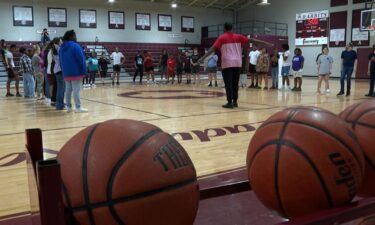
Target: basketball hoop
pixel 87 24
pixel 337 43
pixel 57 23
pixel 359 42
pixel 143 27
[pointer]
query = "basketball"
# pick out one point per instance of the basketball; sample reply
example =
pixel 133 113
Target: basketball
pixel 361 117
pixel 304 159
pixel 128 172
pixel 366 221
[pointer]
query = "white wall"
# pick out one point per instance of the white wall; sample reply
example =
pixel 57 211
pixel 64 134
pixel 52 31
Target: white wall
pixel 285 11
pixel 203 17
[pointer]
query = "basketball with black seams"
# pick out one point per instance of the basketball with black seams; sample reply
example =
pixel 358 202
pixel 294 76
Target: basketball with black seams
pixel 303 160
pixel 128 172
pixel 361 118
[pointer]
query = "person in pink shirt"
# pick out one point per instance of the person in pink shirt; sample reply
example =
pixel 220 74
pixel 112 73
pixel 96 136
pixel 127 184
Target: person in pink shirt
pixel 230 45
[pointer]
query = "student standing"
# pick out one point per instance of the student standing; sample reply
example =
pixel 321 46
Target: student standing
pixel 325 62
pixel 149 67
pixel 163 63
pixel 179 67
pixel 230 45
pixel 212 68
pixel 172 67
pixel 26 69
pixel 117 61
pixel 371 72
pixel 93 67
pixel 285 71
pixel 297 66
pixel 187 68
pixel 349 61
pixel 275 68
pixel 39 76
pixel 12 73
pixel 195 67
pixel 103 67
pixel 253 57
pixel 73 65
pixel 138 63
pixel 262 68
pixel 60 84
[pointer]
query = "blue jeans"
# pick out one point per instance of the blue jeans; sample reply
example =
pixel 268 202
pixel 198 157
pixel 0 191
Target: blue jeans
pixel 275 77
pixel 73 86
pixel 285 71
pixel 346 74
pixel 60 91
pixel 29 85
pixel 46 84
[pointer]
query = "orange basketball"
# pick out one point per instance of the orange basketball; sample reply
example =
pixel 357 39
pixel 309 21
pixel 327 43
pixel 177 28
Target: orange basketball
pixel 128 172
pixel 304 159
pixel 361 117
pixel 366 221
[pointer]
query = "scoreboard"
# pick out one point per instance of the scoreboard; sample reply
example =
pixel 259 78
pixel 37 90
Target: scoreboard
pixel 312 28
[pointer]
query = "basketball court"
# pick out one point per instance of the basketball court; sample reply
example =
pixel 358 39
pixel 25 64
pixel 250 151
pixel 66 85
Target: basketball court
pixel 215 138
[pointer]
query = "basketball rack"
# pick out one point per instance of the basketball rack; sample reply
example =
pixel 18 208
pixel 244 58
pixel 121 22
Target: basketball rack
pixel 225 198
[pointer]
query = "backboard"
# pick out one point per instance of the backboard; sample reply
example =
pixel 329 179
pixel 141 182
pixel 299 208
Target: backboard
pixel 368 16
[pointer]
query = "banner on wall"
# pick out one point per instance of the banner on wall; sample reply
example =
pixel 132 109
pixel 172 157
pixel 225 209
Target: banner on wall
pixel 187 24
pixel 164 22
pixel 142 21
pixel 57 17
pixel 116 20
pixel 358 35
pixel 23 16
pixel 312 28
pixel 87 18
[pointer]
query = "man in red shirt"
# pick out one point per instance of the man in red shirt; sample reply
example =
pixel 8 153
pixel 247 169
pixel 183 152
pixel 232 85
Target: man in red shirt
pixel 230 45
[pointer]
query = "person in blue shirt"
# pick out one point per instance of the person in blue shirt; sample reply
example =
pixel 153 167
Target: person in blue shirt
pixel 297 66
pixel 73 65
pixel 349 59
pixel 93 67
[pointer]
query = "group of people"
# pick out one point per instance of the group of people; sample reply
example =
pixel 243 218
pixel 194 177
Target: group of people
pixel 52 72
pixel 260 62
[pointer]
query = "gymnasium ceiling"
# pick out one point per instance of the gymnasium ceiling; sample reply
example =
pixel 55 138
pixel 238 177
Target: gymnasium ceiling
pixel 215 4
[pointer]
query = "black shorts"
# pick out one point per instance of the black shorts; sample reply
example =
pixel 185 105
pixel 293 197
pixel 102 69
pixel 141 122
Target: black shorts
pixel 187 70
pixel 252 68
pixel 149 69
pixel 11 73
pixel 212 69
pixel 196 69
pixel 103 73
pixel 117 68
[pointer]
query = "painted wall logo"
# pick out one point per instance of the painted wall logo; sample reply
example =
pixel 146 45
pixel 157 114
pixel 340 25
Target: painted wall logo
pixel 172 94
pixel 200 135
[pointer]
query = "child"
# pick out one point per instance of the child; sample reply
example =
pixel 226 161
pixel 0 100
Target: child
pixel 38 74
pixel 149 67
pixel 212 69
pixel 262 68
pixel 171 67
pixel 138 63
pixel 93 66
pixel 243 75
pixel 253 61
pixel 286 66
pixel 195 68
pixel 325 62
pixel 103 66
pixel 179 68
pixel 297 64
pixel 187 68
pixel 275 68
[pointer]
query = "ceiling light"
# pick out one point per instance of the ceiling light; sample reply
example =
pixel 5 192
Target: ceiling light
pixel 263 3
pixel 111 1
pixel 174 5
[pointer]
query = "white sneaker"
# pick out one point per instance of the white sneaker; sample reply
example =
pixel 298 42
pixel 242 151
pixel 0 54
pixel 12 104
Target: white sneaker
pixel 282 88
pixel 81 110
pixel 328 91
pixel 93 85
pixel 69 109
pixel 47 101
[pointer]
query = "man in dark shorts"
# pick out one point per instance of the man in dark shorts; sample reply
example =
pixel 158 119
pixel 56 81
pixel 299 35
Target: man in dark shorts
pixel 253 60
pixel 117 60
pixel 103 67
pixel 12 73
pixel 138 63
pixel 195 67
pixel 187 68
pixel 230 45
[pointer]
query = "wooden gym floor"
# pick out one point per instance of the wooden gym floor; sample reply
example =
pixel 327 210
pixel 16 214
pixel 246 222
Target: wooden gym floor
pixel 210 134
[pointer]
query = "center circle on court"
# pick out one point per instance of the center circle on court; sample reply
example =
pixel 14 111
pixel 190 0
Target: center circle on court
pixel 172 94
